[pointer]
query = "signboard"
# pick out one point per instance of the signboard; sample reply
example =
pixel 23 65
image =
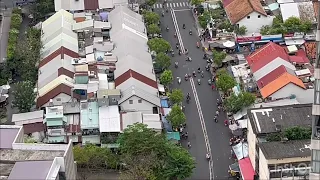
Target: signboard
pixel 271 37
pixel 248 39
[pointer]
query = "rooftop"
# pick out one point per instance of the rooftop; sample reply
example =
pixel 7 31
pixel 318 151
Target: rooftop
pixel 273 76
pixel 30 170
pixel 109 119
pixel 130 118
pixel 302 10
pixel 7 137
pixel 28 116
pixel 238 9
pixel 89 115
pixel 268 120
pixel 289 149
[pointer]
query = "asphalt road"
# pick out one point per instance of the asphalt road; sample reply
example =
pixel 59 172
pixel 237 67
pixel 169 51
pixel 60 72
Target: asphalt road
pixel 217 133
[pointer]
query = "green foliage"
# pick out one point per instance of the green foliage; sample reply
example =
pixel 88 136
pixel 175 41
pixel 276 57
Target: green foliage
pixel 221 71
pixel 242 30
pixel 159 45
pixel 217 14
pixel 153 29
pixel 166 77
pixel 292 24
pixel 204 19
pixel 94 157
pixel 235 103
pixel 218 57
pixel 196 2
pixel 24 96
pixel 16 20
pixel 176 116
pixel 176 96
pixel 225 82
pixel 226 25
pixel 149 155
pixel 151 17
pixel 5 74
pixel 163 60
pixel 151 2
pixel 42 8
pixel 292 133
pixel 16 11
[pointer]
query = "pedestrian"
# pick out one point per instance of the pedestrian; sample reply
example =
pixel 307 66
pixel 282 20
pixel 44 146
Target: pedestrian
pixel 181 130
pixel 189 144
pixel 212 87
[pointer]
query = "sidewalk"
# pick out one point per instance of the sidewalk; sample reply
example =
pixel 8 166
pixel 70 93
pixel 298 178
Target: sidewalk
pixel 4 34
pixel 205 44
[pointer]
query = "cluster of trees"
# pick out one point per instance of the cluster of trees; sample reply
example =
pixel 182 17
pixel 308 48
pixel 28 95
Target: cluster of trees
pixel 41 9
pixel 204 19
pixel 292 24
pixel 225 81
pixel 242 30
pixel 16 20
pixel 149 155
pixel 151 19
pixel 218 57
pixel 235 103
pixel 292 133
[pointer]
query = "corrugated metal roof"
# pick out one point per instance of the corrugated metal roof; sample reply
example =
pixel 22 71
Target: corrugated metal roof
pixel 60 40
pixel 30 170
pixel 89 113
pixel 109 119
pixel 130 118
pixel 59 80
pixel 65 15
pixel 27 116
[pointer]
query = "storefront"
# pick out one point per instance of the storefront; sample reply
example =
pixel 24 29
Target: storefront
pixel 294 39
pixel 251 43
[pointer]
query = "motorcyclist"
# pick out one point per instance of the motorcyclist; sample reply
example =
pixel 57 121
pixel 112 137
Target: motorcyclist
pixel 172 53
pixel 199 81
pixel 183 26
pixel 176 64
pixel 208 156
pixel 179 52
pixel 198 45
pixel 199 70
pixel 177 46
pixel 186 51
pixel 186 77
pixel 179 80
pixel 202 74
pixel 167 28
pixel 175 35
pixel 190 31
pixel 204 56
pixel 188 95
pixel 162 13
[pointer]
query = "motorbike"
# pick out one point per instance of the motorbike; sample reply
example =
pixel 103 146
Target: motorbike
pixel 216 120
pixel 184 26
pixel 188 100
pixel 167 29
pixel 202 75
pixel 179 80
pixel 205 56
pixel 209 81
pixel 186 51
pixel 190 32
pixel 177 46
pixel 199 81
pixel 186 78
pixel 176 65
pixel 209 60
pixel 189 59
pixel 172 54
pixel 162 14
pixel 194 74
pixel 179 52
pixel 198 45
pixel 199 71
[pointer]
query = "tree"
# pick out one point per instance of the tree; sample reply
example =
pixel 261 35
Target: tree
pixel 242 30
pixel 163 60
pixel 16 21
pixel 291 133
pixel 151 2
pixel 24 96
pixel 91 157
pixel 149 155
pixel 151 17
pixel 153 29
pixel 166 77
pixel 196 2
pixel 204 19
pixel 225 82
pixel 218 57
pixel 42 8
pixel 159 45
pixel 176 116
pixel 237 102
pixel 226 25
pixel 176 96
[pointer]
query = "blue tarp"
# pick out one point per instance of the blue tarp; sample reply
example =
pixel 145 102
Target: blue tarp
pixel 173 136
pixel 166 124
pixel 164 103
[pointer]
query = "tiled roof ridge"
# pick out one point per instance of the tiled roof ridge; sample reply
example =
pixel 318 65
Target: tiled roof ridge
pixel 256 9
pixel 133 74
pixel 140 93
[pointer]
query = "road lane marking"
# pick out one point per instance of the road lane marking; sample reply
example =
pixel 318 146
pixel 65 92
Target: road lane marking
pixel 203 126
pixel 174 4
pixel 183 3
pixel 181 10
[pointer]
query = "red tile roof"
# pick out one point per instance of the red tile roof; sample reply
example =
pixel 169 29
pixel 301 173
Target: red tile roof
pixel 132 74
pixel 271 76
pixel 91 4
pixel 239 9
pixel 62 88
pixel 265 55
pixel 61 51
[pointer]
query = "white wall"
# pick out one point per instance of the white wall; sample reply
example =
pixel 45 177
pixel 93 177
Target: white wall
pixel 254 23
pixel 70 164
pixel 64 98
pixel 287 90
pixel 251 138
pixel 92 139
pixel 144 107
pixel 263 166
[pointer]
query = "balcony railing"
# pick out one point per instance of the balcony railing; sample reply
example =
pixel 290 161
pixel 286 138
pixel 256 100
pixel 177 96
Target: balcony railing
pixel 89 132
pixel 56 132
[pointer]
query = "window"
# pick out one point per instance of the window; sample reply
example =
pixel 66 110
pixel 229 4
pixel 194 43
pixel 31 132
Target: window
pixel 248 17
pixel 140 101
pixel 130 101
pixel 316 161
pixel 259 16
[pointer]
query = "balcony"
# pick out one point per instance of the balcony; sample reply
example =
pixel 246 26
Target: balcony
pixel 290 173
pixel 90 132
pixel 56 132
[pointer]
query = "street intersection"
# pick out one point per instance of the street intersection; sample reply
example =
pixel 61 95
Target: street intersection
pixel 205 135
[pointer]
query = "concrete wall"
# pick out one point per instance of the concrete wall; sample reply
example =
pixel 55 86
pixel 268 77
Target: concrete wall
pixel 70 165
pixel 287 90
pixel 263 166
pixel 144 107
pixel 254 24
pixel 252 140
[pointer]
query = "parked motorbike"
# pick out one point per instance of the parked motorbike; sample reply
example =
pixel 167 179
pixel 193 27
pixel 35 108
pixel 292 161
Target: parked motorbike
pixel 199 81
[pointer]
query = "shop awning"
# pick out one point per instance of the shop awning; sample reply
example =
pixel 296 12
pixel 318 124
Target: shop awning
pixel 290 42
pixel 246 169
pixel 164 103
pixel 161 88
pixel 173 136
pixel 241 150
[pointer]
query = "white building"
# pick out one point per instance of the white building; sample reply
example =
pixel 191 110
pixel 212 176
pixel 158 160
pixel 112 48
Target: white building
pixel 267 120
pixel 134 74
pixel 248 13
pixel 153 121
